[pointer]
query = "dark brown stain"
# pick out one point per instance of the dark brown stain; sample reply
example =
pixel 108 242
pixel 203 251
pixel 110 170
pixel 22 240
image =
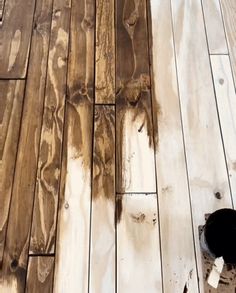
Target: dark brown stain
pixel 119 208
pixel 185 288
pixel 139 218
pixel 218 195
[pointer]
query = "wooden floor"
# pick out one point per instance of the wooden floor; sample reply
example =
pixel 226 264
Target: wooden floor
pixel 118 135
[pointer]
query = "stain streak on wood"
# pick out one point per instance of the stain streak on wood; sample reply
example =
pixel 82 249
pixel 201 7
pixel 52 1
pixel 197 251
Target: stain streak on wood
pixel 2 4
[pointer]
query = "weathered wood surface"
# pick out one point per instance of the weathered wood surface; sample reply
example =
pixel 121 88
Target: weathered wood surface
pixel 49 162
pixel 138 251
pixel 226 101
pixel 15 35
pixel 105 52
pixel 102 243
pixel 178 255
pixel 2 3
pixel 11 97
pixel 214 27
pixel 40 274
pixel 204 151
pixel 135 156
pixel 72 253
pixel 229 16
pixel 12 277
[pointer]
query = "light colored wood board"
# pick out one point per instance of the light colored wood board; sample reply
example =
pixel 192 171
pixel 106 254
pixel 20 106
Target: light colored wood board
pixel 229 17
pixel 214 27
pixel 15 36
pixel 105 52
pixel 16 252
pixel 11 98
pixel 138 250
pixel 71 268
pixel 226 100
pixel 40 274
pixel 49 161
pixel 134 132
pixel 204 150
pixel 102 251
pixel 178 254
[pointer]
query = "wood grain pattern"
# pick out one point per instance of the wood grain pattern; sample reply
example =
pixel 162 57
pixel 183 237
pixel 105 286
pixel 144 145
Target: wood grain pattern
pixel 49 162
pixel 40 274
pixel 105 52
pixel 138 251
pixel 135 155
pixel 226 101
pixel 71 271
pixel 229 16
pixel 214 27
pixel 204 151
pixel 12 277
pixel 178 254
pixel 102 243
pixel 11 98
pixel 15 35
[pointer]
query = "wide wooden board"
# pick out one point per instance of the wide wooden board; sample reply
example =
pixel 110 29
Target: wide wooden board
pixel 177 245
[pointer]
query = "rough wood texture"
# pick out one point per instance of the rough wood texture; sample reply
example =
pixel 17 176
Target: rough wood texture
pixel 15 34
pixel 105 52
pixel 135 155
pixel 102 252
pixel 40 275
pixel 11 97
pixel 229 16
pixel 71 271
pixel 226 101
pixel 16 252
pixel 178 255
pixel 49 162
pixel 138 251
pixel 204 151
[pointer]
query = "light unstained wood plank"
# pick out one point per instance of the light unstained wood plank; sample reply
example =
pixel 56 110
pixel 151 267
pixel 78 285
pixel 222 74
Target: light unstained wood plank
pixel 11 98
pixel 138 251
pixel 71 271
pixel 214 27
pixel 204 151
pixel 102 252
pixel 134 132
pixel 12 277
pixel 40 274
pixel 229 17
pixel 49 162
pixel 15 36
pixel 177 243
pixel 105 52
pixel 226 101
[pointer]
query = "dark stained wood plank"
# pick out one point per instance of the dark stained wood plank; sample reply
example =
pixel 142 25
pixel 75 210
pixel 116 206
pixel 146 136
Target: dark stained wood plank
pixel 49 162
pixel 134 130
pixel 105 52
pixel 72 253
pixel 15 36
pixel 102 251
pixel 13 274
pixel 40 274
pixel 11 97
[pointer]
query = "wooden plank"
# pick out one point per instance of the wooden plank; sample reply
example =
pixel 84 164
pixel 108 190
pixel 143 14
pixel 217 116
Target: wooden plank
pixel 138 251
pixel 49 162
pixel 204 151
pixel 214 27
pixel 105 52
pixel 102 252
pixel 11 98
pixel 229 17
pixel 226 101
pixel 178 254
pixel 16 251
pixel 135 155
pixel 40 274
pixel 71 271
pixel 15 36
